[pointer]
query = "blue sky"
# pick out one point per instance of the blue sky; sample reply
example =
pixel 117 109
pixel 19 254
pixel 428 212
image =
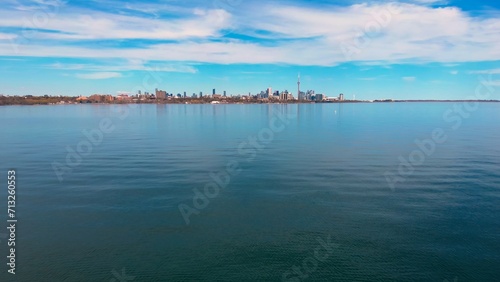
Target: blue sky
pixel 414 49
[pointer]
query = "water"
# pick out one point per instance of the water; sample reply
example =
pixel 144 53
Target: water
pixel 318 180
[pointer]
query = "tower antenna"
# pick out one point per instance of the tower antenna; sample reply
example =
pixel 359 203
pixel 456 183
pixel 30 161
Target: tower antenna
pixel 298 85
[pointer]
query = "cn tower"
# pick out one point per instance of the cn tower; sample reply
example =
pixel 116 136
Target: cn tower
pixel 298 86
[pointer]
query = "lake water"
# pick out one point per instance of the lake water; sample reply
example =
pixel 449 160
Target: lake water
pixel 311 192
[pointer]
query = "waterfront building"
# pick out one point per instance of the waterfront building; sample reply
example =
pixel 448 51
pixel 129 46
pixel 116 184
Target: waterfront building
pixel 284 95
pixel 298 85
pixel 122 97
pixel 160 94
pixel 309 95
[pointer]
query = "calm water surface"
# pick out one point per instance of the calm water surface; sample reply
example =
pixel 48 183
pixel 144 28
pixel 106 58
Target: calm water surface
pixel 319 180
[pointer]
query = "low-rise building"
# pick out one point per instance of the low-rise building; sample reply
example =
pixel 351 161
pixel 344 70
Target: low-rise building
pixel 160 94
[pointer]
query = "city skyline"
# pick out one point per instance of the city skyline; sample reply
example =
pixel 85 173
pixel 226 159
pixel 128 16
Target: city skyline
pixel 420 49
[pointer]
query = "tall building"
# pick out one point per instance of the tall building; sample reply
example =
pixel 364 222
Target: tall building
pixel 201 94
pixel 298 85
pixel 341 97
pixel 309 95
pixel 213 91
pixel 224 93
pixel 185 94
pixel 160 94
pixel 284 95
pixel 269 92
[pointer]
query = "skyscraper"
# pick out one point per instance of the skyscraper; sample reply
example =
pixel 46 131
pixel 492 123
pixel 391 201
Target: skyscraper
pixel 213 91
pixel 284 95
pixel 298 85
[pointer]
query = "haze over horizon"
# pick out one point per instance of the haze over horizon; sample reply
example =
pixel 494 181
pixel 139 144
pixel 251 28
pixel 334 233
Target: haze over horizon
pixel 416 49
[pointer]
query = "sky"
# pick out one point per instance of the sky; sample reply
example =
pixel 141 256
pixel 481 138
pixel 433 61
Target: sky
pixel 412 49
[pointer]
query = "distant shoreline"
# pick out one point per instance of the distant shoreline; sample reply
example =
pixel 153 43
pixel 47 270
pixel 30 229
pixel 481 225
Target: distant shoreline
pixel 35 100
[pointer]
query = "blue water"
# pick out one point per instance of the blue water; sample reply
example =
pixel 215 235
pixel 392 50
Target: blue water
pixel 317 185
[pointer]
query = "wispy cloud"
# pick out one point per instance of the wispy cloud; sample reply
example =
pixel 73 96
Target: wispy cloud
pixel 493 83
pixel 490 71
pixel 255 72
pixel 429 2
pixel 7 36
pixel 131 65
pixel 409 78
pixel 99 75
pixel 271 33
pixel 80 24
pixel 454 72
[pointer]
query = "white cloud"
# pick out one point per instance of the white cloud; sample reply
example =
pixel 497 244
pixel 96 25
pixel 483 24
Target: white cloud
pixel 490 71
pixel 131 65
pixel 454 72
pixel 86 24
pixel 99 75
pixel 7 36
pixel 324 36
pixel 409 78
pixel 429 2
